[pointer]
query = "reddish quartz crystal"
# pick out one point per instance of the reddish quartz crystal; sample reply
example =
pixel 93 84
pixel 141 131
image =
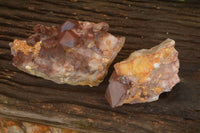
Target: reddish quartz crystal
pixel 77 53
pixel 144 75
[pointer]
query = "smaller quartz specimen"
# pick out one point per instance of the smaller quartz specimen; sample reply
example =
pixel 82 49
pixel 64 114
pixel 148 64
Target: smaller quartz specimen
pixel 76 53
pixel 144 75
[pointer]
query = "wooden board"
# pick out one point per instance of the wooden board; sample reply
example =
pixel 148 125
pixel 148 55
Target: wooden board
pixel 145 24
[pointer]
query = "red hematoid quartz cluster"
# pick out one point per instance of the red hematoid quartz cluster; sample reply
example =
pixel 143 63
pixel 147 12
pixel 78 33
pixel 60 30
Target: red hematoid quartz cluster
pixel 144 75
pixel 77 53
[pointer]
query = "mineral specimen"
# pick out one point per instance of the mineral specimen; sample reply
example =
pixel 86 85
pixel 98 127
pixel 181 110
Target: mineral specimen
pixel 144 75
pixel 77 53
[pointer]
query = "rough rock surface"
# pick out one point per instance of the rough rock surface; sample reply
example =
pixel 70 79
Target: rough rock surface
pixel 77 53
pixel 144 75
pixel 10 126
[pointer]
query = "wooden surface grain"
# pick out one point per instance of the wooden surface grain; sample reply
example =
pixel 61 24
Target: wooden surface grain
pixel 145 24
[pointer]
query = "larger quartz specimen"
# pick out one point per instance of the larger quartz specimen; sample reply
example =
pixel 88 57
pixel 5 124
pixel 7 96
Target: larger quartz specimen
pixel 77 53
pixel 144 75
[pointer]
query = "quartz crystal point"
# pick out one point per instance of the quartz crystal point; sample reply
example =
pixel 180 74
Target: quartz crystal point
pixel 77 53
pixel 144 75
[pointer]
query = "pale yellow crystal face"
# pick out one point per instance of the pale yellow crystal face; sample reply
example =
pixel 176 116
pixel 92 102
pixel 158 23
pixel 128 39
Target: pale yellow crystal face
pixel 142 65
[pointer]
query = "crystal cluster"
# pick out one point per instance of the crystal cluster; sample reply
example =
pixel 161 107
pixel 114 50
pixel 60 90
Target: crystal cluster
pixel 77 53
pixel 144 75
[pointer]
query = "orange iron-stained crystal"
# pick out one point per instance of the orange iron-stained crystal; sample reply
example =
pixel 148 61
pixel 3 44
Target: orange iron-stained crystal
pixel 144 75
